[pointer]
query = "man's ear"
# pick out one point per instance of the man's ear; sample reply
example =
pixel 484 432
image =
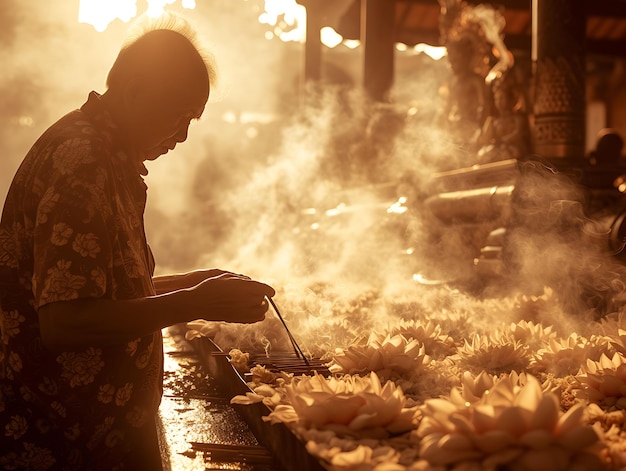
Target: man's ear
pixel 134 95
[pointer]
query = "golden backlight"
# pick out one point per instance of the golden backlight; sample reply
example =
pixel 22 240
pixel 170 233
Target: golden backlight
pixel 100 13
pixel 286 20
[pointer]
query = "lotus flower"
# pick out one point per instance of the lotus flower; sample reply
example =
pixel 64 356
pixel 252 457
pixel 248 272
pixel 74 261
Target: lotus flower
pixel 612 323
pixel 562 357
pixel 531 334
pixel 618 340
pixel 429 334
pixel 393 356
pixel 530 306
pixel 472 388
pixel 604 382
pixel 358 457
pixel 512 426
pixel 611 337
pixel 494 355
pixel 350 405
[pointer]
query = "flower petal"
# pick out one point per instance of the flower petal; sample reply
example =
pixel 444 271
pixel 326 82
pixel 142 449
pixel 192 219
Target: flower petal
pixel 579 438
pixel 494 441
pixel 546 415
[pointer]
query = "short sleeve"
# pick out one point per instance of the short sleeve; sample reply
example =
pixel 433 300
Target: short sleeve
pixel 72 247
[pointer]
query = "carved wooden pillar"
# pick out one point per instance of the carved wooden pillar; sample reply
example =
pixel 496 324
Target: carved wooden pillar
pixel 559 60
pixel 377 40
pixel 313 42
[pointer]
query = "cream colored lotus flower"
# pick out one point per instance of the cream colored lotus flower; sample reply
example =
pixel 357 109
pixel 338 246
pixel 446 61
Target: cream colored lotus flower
pixel 612 323
pixel 436 343
pixel 392 356
pixel 472 388
pixel 351 405
pixel 512 426
pixel 358 454
pixel 618 340
pixel 531 334
pixel 499 354
pixel 562 357
pixel 611 337
pixel 530 306
pixel 604 381
pixel 607 345
pixel 358 457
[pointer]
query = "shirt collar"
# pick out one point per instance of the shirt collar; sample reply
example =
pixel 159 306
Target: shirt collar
pixel 98 113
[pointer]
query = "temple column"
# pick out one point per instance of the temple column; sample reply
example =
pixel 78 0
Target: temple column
pixel 377 41
pixel 313 43
pixel 558 53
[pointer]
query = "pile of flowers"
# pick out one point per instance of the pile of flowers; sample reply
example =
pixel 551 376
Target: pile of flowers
pixel 512 424
pixel 439 392
pixel 603 382
pixel 390 357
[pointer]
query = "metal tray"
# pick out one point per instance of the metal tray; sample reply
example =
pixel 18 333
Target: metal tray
pixel 288 450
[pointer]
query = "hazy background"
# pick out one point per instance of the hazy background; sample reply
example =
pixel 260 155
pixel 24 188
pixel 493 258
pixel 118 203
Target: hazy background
pixel 289 184
pixel 238 193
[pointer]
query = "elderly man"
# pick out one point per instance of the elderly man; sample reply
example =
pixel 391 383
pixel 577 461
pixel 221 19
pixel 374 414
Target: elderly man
pixel 80 311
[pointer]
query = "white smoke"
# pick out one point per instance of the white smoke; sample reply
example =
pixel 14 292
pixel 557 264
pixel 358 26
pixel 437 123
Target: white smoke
pixel 289 185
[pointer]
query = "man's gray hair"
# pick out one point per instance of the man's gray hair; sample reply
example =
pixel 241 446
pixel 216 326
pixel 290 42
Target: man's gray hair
pixel 169 22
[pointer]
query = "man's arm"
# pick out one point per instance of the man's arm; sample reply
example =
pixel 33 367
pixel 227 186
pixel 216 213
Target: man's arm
pixel 168 283
pixel 99 322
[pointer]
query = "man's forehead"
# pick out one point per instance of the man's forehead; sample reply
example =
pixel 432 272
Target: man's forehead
pixel 187 95
pixel 185 109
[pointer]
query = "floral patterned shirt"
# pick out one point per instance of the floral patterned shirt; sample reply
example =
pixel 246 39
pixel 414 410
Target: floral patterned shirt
pixel 72 228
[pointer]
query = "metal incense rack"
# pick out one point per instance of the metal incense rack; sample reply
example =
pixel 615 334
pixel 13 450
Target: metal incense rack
pixel 285 361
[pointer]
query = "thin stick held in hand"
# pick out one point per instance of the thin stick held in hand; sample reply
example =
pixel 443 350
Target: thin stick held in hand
pixel 291 337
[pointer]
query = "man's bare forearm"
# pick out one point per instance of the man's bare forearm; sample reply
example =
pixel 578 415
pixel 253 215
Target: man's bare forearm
pixel 100 322
pixel 168 283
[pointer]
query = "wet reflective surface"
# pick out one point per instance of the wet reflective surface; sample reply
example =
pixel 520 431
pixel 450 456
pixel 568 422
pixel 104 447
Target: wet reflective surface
pixel 199 429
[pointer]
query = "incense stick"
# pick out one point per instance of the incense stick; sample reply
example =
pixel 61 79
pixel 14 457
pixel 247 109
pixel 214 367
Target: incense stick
pixel 291 337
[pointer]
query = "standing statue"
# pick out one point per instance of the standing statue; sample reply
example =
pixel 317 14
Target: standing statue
pixel 505 133
pixel 467 95
pixel 485 109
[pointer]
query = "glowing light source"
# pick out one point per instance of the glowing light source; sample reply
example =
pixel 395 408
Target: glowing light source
pixel 401 47
pixel 287 18
pixel 330 37
pixel 398 207
pixel 100 13
pixel 341 208
pixel 434 52
pixel 157 7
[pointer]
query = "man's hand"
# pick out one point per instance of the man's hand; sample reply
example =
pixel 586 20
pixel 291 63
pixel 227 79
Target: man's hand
pixel 229 297
pixel 168 283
